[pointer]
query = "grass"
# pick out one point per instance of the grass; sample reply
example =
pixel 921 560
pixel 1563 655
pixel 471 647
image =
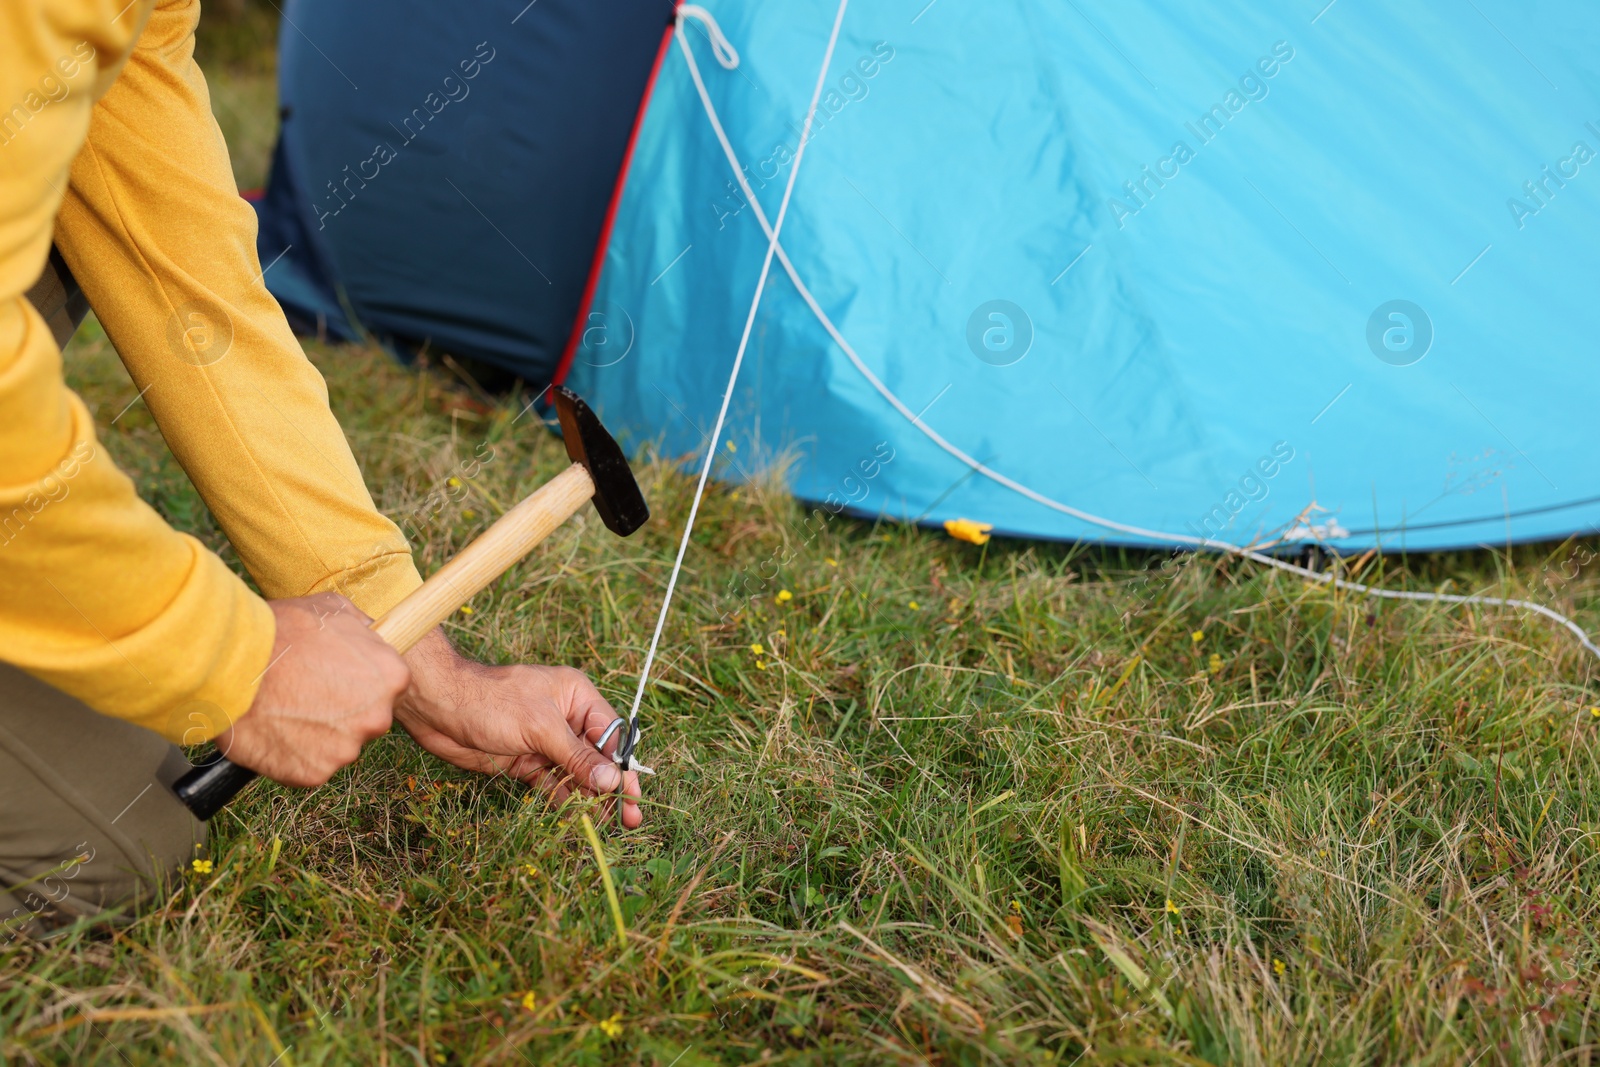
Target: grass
pixel 968 805
pixel 946 833
pixel 236 46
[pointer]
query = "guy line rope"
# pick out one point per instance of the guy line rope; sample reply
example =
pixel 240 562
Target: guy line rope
pixel 729 59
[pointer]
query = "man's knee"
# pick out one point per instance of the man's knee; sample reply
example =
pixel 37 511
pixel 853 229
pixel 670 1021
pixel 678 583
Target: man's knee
pixel 88 823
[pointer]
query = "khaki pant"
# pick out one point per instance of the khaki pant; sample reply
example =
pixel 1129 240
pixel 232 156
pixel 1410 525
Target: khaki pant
pixel 89 826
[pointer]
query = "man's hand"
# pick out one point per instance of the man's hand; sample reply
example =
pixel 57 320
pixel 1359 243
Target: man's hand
pixel 536 724
pixel 330 688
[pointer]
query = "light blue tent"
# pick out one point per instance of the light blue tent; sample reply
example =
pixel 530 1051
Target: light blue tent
pixel 1189 269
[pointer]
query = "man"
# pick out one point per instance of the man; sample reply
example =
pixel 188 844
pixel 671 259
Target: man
pixel 121 636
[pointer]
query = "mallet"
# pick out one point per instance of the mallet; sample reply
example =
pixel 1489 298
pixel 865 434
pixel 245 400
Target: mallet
pixel 599 472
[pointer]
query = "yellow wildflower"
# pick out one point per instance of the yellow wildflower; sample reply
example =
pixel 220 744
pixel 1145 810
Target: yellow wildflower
pixel 529 1001
pixel 612 1027
pixel 784 596
pixel 976 533
pixel 1197 636
pixel 1278 967
pixel 1172 909
pixel 830 561
pixel 761 664
pixel 454 483
pixel 913 605
pixel 532 872
pixel 201 866
pixel 758 649
pixel 466 610
pixel 1215 665
pixel 1595 712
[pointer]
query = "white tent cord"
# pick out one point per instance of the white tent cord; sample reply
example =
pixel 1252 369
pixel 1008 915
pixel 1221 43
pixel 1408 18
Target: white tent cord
pixel 1039 498
pixel 625 749
pixel 726 54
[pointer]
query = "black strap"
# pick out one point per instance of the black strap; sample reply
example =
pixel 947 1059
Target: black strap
pixel 59 299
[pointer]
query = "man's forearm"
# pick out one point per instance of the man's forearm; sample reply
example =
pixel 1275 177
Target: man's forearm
pixel 157 235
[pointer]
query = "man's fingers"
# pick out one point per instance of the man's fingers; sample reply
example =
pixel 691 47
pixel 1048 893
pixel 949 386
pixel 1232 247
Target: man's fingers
pixel 631 815
pixel 594 771
pixel 581 701
pixel 588 768
pixel 598 724
pixel 557 782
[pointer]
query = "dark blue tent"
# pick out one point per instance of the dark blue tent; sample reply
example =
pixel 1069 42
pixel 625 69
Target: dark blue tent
pixel 444 171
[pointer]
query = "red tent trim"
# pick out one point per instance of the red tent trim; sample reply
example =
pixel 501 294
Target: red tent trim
pixel 576 336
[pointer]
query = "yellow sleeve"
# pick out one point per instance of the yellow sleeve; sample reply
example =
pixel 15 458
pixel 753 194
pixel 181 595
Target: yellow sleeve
pixel 155 231
pixel 98 596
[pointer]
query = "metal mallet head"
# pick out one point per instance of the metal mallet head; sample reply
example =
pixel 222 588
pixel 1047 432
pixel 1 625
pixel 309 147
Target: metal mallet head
pixel 616 494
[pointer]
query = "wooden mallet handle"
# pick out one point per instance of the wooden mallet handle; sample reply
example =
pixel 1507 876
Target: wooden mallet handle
pixel 216 780
pixel 494 551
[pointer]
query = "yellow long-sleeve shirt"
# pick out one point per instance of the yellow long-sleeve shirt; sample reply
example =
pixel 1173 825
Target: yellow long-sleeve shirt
pixel 108 145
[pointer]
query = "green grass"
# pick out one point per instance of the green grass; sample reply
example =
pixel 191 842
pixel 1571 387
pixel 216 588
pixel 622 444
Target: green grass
pixel 944 834
pixel 1023 822
pixel 236 46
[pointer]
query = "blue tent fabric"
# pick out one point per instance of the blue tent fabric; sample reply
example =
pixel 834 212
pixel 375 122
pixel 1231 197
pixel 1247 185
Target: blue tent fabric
pixel 444 170
pixel 1193 270
pixel 297 270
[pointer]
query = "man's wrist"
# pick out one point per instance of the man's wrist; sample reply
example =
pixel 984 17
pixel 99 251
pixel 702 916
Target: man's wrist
pixel 442 679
